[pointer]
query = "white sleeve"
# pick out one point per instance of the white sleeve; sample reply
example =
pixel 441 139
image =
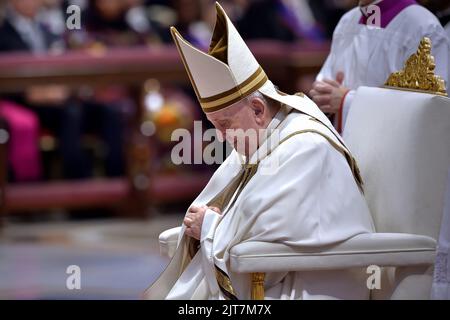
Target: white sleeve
pixel 210 221
pixel 327 69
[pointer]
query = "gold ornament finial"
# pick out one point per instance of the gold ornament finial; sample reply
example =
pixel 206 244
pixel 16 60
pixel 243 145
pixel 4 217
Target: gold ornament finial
pixel 418 73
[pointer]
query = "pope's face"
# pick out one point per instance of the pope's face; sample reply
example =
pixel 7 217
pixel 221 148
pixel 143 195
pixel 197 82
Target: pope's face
pixel 239 125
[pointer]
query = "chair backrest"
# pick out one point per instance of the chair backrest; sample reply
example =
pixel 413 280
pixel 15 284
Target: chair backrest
pixel 401 141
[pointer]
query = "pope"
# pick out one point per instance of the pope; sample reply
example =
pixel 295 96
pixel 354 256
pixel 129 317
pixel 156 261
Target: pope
pixel 295 182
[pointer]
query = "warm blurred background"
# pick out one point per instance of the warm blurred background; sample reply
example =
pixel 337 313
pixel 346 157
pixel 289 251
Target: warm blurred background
pixel 85 123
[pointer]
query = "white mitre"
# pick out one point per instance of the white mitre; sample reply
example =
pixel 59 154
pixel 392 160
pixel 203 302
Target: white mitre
pixel 229 72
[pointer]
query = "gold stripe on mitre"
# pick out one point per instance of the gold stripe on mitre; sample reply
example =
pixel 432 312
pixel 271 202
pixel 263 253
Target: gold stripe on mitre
pixel 239 92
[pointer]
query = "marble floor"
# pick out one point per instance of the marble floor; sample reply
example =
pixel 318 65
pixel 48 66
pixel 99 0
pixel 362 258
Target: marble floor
pixel 117 258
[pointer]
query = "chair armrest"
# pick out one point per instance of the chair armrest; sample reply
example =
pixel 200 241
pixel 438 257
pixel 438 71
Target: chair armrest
pixel 381 249
pixel 168 241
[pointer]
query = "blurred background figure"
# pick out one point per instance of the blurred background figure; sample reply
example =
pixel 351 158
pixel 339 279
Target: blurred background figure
pixel 286 20
pixel 52 16
pixel 441 8
pixel 58 108
pixel 193 20
pixel 118 23
pixel 21 31
pixel 363 54
pixel 329 12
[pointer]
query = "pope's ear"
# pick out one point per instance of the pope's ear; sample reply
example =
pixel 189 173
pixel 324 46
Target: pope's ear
pixel 258 106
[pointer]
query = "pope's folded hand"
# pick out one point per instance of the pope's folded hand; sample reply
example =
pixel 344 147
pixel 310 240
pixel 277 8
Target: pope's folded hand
pixel 194 220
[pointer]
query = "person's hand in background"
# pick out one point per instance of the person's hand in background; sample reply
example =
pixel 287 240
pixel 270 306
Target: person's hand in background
pixel 329 94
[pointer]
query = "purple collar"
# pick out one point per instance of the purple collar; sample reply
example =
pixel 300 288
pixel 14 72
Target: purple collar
pixel 389 9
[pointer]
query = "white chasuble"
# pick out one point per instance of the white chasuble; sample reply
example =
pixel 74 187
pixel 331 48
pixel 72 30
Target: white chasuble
pixel 298 190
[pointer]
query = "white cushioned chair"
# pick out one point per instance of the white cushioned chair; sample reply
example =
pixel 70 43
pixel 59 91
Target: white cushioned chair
pixel 401 141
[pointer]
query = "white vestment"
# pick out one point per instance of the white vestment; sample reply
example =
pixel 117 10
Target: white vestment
pixel 310 200
pixel 368 55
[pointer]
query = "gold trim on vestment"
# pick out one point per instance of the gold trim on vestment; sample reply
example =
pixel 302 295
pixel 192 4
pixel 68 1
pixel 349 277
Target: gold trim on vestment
pixel 224 282
pixel 350 160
